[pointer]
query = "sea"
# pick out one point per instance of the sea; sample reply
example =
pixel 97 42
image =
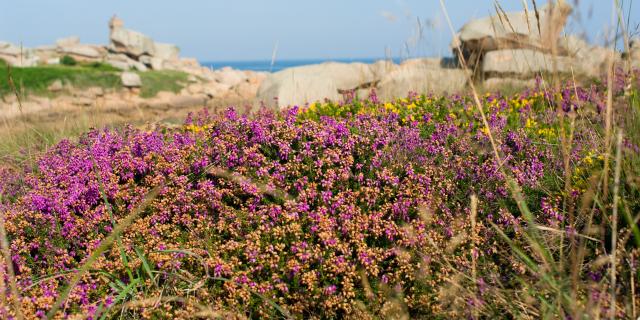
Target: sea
pixel 266 65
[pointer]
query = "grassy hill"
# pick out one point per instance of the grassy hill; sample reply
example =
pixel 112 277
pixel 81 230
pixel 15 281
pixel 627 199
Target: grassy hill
pixel 35 80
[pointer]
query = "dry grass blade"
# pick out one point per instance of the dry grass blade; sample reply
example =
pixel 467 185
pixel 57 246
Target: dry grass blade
pixel 526 15
pixel 504 14
pixel 512 186
pixel 152 302
pixel 535 9
pixel 240 179
pixel 607 128
pixel 210 313
pixel 633 287
pixel 614 223
pixel 104 245
pixel 609 113
pixel 474 272
pixel 543 228
pixel 476 98
pixel 273 57
pixel 13 87
pixel 623 26
pixel 6 253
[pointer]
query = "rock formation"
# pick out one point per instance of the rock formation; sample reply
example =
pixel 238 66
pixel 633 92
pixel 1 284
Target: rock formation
pixel 17 55
pixel 535 31
pixel 132 49
pixel 130 80
pixel 520 45
pixel 504 49
pixel 421 76
pixel 306 84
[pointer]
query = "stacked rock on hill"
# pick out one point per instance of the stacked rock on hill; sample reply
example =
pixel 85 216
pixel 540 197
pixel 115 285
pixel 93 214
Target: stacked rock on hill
pixel 130 49
pixel 534 31
pixel 522 44
pixel 127 50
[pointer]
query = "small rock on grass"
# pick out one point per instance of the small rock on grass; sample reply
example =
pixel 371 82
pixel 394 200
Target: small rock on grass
pixel 56 86
pixel 131 80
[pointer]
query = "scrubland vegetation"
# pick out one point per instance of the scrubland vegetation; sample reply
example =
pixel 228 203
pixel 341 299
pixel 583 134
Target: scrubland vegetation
pixel 422 207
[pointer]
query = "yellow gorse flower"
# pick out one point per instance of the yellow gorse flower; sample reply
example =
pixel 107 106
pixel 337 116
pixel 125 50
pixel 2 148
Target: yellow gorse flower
pixel 530 123
pixel 391 107
pixel 194 128
pixel 588 159
pixel 547 132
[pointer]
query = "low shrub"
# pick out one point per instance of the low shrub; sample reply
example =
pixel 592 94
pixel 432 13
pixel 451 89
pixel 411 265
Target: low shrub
pixel 353 209
pixel 68 61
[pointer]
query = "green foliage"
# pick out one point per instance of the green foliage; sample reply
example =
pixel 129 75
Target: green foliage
pixel 68 61
pixel 101 66
pixel 166 80
pixel 35 80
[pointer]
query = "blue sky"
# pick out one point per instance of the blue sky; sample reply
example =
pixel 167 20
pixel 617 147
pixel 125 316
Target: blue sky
pixel 219 30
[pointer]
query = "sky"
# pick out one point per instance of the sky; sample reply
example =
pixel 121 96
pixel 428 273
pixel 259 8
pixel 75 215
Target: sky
pixel 233 30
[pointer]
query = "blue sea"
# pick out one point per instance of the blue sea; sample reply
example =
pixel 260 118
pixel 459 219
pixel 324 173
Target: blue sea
pixel 265 65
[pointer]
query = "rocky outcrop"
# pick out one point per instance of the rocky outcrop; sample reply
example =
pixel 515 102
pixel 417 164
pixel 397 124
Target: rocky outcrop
pixel 305 84
pixel 47 54
pixel 56 86
pixel 124 62
pixel 68 41
pixel 130 80
pixel 420 76
pixel 298 85
pixel 227 83
pixel 536 31
pixel 507 49
pixel 229 77
pixel 127 50
pixel 523 63
pixel 166 51
pixel 131 43
pixel 82 52
pixel 18 56
pixel 143 52
pixel 521 45
pixel 507 83
pixel 130 49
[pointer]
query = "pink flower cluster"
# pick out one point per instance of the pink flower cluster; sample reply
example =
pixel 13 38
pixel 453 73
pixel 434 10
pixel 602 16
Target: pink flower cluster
pixel 305 213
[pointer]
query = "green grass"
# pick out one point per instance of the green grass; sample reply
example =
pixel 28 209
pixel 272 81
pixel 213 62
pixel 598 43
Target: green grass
pixel 166 80
pixel 35 80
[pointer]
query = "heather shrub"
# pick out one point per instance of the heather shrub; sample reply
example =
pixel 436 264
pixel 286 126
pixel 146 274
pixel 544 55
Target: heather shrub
pixel 353 209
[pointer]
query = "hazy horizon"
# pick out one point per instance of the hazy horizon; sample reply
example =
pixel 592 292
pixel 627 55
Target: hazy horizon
pixel 250 30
